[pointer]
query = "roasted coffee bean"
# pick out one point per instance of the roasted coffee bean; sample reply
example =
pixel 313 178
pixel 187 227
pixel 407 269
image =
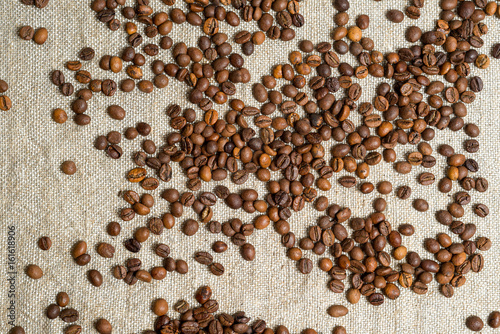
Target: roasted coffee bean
pixel 494 319
pixel 95 278
pixel 337 311
pixel 305 265
pixel 474 323
pixel 203 258
pixel 44 243
pixel 217 269
pixel 132 245
pixel 69 315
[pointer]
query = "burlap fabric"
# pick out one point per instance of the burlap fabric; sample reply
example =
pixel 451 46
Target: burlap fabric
pixel 39 200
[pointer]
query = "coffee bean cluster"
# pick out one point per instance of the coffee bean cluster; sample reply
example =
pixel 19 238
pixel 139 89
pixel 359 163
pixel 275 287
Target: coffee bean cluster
pixel 215 147
pixel 207 318
pixel 5 102
pixel 300 139
pixel 204 14
pixel 225 67
pixel 70 316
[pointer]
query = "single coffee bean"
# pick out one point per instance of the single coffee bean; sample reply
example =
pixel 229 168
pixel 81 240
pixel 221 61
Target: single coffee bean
pixel 62 299
pixel 5 103
pixel 103 326
pixel 44 243
pixel 73 329
pixel 33 271
pixel 69 315
pixel 203 258
pixel 106 250
pixel 17 330
pixel 162 250
pixel 26 32
pixel 248 252
pixel 395 16
pixel 132 245
pixel 40 36
pixel 494 319
pixel 95 278
pixel 53 311
pixel 217 269
pixel 59 116
pixel 305 265
pixel 337 311
pixel 404 192
pixel 474 323
pixel 481 210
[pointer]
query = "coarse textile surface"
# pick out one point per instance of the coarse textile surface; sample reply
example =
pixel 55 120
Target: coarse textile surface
pixel 39 200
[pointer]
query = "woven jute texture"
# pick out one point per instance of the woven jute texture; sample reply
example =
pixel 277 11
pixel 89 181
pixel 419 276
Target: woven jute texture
pixel 39 200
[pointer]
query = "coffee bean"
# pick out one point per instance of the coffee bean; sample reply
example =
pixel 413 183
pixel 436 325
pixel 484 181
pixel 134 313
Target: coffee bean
pixel 305 265
pixel 395 16
pixel 190 227
pixel 162 250
pixel 404 192
pixel 69 315
pixel 421 205
pixel 41 3
pixel 5 103
pixel 53 311
pixel 103 326
pixel 494 319
pixel 73 329
pixel 33 271
pixel 217 269
pixel 337 311
pixel 41 35
pixel 481 210
pixel 17 330
pixel 95 278
pixel 474 323
pixel 203 258
pixel 248 252
pixel 44 243
pixel 105 250
pixel 62 299
pixel 132 245
pixel 26 32
pixel 347 181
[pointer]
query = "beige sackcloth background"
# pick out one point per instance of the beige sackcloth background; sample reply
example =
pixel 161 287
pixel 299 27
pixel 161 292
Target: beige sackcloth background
pixel 39 200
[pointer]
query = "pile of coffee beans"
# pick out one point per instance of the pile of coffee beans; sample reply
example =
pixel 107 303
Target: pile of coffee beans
pixel 282 142
pixel 204 318
pixel 301 137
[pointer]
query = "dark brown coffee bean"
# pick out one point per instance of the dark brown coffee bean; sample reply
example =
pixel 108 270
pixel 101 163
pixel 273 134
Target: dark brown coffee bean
pixel 69 315
pixel 203 258
pixel 305 265
pixel 474 323
pixel 481 210
pixel 217 269
pixel 53 311
pixel 132 245
pixel 44 243
pixel 95 278
pixel 494 319
pixel 86 54
pixel 106 250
